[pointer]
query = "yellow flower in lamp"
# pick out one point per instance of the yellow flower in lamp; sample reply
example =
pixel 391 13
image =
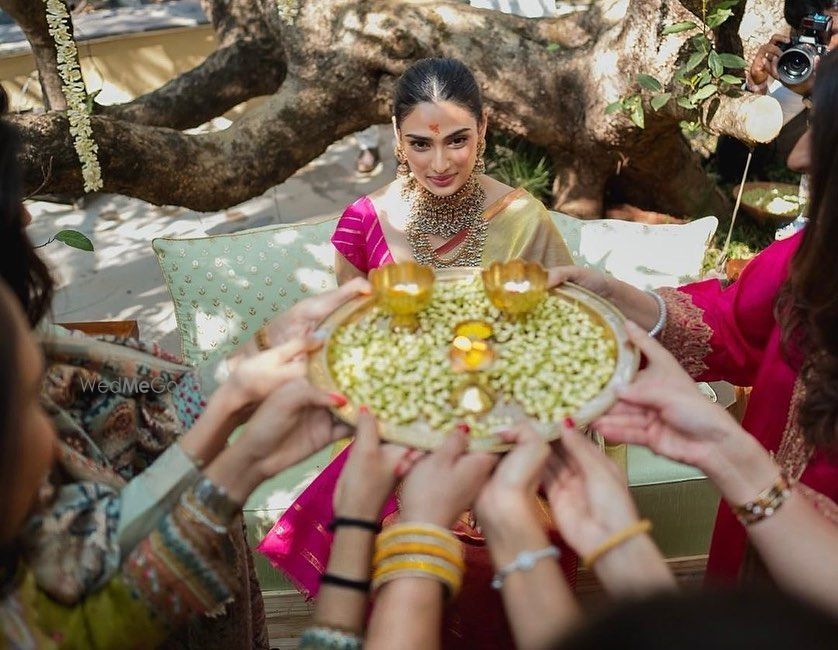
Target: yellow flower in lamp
pixel 403 290
pixel 515 287
pixel 471 352
pixel 470 356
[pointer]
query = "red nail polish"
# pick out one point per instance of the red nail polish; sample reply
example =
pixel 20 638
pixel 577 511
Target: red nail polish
pixel 569 423
pixel 363 408
pixel 338 399
pixel 463 428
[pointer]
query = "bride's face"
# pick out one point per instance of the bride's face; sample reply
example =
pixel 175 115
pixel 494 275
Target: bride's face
pixel 440 141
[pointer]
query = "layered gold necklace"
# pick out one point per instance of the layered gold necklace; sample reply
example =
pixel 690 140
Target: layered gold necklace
pixel 445 216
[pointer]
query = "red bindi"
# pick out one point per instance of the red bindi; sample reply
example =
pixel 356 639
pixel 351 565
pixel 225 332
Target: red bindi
pixel 434 128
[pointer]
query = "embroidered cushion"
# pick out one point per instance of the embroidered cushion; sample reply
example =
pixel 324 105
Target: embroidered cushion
pixel 224 287
pixel 642 255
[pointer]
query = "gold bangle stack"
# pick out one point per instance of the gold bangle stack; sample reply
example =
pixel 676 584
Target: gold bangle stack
pixel 418 550
pixel 766 503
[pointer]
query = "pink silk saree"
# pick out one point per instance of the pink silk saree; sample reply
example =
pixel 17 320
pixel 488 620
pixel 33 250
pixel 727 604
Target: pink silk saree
pixel 732 334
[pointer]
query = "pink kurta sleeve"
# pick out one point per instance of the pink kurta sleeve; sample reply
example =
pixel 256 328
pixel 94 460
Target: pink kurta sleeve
pixel 721 333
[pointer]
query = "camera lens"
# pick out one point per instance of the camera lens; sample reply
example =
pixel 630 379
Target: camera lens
pixel 795 66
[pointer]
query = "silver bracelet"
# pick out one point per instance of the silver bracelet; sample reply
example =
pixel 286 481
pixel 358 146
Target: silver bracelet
pixel 525 561
pixel 661 323
pixel 325 638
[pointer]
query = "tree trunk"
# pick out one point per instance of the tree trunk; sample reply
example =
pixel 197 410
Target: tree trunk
pixel 31 17
pixel 333 71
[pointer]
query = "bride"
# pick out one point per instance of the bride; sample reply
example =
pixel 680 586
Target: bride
pixel 443 210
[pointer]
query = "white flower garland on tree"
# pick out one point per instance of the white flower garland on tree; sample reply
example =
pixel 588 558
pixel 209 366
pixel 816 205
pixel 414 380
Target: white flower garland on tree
pixel 288 10
pixel 78 111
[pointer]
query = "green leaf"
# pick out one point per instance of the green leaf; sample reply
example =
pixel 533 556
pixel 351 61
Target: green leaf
pixel 733 61
pixel 703 93
pixel 701 43
pixel 684 102
pixel 659 101
pixel 677 28
pixel 704 78
pixel 648 82
pixel 554 47
pixel 727 4
pixel 694 61
pixel 718 17
pixel 637 116
pixel 715 63
pixel 731 79
pixel 614 107
pixel 74 239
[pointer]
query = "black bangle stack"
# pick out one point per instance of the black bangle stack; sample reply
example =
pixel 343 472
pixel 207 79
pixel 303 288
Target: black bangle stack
pixel 348 522
pixel 346 583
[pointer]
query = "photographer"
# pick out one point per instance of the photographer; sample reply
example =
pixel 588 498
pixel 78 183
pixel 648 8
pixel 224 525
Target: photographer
pixel 763 77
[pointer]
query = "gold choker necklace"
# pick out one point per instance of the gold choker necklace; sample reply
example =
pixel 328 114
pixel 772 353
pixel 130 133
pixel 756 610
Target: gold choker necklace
pixel 445 216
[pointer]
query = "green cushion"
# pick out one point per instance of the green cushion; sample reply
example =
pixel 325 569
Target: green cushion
pixel 226 286
pixel 646 256
pixel 678 499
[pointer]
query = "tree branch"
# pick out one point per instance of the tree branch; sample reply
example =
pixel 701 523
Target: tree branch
pixel 202 172
pixel 32 19
pixel 226 78
pixel 235 20
pixel 753 119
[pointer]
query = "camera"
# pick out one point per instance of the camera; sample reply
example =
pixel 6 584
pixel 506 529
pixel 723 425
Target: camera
pixel 797 63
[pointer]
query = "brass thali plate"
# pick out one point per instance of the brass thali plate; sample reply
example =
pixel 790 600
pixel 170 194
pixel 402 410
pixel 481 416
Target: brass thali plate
pixel 420 435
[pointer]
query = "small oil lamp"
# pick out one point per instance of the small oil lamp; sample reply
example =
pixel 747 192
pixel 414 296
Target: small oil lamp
pixel 404 290
pixel 471 352
pixel 515 287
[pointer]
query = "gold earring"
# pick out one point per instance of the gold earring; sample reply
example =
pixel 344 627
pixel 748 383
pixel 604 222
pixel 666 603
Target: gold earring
pixel 403 169
pixel 480 165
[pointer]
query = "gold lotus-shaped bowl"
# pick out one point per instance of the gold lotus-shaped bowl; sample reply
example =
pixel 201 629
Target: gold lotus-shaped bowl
pixel 404 290
pixel 515 287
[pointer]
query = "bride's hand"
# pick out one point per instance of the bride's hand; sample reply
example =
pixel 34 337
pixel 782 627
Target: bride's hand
pixel 634 303
pixel 594 281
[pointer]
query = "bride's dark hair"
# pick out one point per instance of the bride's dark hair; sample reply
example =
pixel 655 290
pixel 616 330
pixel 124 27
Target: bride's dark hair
pixel 808 308
pixel 437 80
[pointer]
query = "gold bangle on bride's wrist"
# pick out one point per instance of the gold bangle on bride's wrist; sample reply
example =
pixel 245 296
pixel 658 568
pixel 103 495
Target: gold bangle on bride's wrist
pixel 621 536
pixel 766 504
